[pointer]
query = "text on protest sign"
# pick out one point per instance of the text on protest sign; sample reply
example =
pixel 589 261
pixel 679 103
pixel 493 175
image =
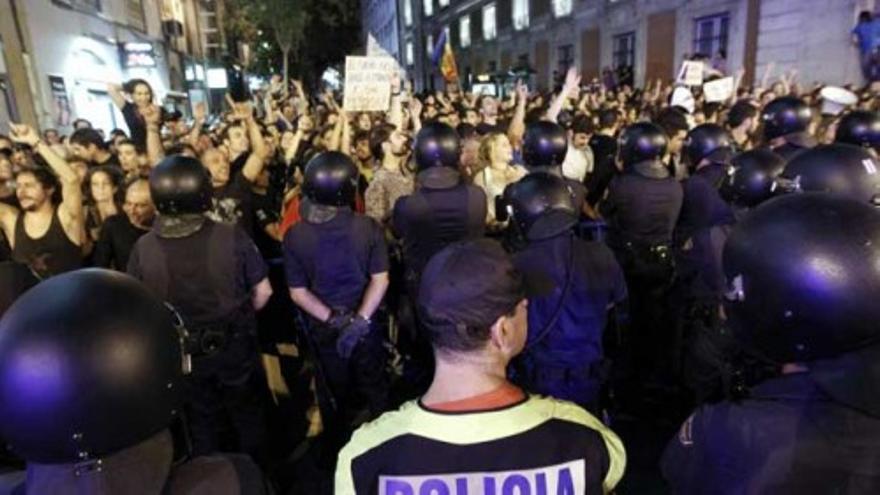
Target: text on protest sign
pixel 691 73
pixel 368 83
pixel 718 90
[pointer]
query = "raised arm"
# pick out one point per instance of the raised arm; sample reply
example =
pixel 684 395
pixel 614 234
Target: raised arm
pixel 517 128
pixel 257 159
pixel 572 82
pixel 395 114
pixel 153 118
pixel 199 114
pixel 117 95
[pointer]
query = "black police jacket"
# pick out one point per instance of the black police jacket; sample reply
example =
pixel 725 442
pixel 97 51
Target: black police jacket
pixel 700 232
pixel 642 206
pixel 430 219
pixel 788 438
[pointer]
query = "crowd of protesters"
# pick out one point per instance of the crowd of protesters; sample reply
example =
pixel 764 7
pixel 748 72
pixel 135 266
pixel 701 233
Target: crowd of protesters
pixel 83 200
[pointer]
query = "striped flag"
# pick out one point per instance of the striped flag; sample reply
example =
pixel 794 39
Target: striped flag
pixel 444 59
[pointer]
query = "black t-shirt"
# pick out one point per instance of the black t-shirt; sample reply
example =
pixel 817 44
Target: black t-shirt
pixel 233 203
pixel 604 169
pixel 335 259
pixel 111 161
pixel 137 128
pixel 116 241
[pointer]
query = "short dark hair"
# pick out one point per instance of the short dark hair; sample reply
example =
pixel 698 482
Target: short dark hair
pixel 672 121
pixel 181 148
pixel 117 132
pixel 46 178
pixel 79 120
pixel 582 125
pixel 865 16
pixel 378 136
pixel 85 137
pixel 740 112
pixel 224 134
pixel 361 136
pixel 123 142
pixel 607 118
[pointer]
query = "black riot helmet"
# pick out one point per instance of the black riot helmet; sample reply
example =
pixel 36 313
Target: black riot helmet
pixel 330 179
pixel 860 128
pixel 752 178
pixel 91 362
pixel 180 185
pixel 437 145
pixel 838 168
pixel 802 277
pixel 785 115
pixel 542 206
pixel 544 145
pixel 641 142
pixel 707 141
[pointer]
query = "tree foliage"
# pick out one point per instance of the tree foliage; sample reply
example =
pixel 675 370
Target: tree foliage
pixel 310 35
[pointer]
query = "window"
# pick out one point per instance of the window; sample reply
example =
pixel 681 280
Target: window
pixel 624 50
pixel 464 31
pixel 489 22
pixel 410 56
pixel 710 34
pixel 562 7
pixel 565 56
pixel 444 3
pixel 429 45
pixel 520 14
pixel 407 13
pixel 429 7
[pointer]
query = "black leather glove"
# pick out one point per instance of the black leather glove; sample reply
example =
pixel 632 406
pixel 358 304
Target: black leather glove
pixel 339 319
pixel 351 336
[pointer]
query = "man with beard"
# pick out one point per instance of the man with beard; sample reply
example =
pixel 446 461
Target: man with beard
pixel 742 122
pixel 48 232
pixel 88 145
pixel 232 202
pixel 391 181
pixel 120 232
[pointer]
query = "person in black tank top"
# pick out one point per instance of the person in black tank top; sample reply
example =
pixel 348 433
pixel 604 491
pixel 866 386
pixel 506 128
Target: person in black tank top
pixel 50 197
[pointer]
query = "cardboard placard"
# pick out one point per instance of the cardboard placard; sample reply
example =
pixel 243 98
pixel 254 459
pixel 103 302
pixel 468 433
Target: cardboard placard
pixel 718 90
pixel 368 83
pixel 691 73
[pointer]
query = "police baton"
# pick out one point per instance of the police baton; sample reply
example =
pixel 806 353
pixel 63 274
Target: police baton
pixel 303 323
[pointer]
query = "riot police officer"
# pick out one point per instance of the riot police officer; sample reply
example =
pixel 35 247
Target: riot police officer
pixel 860 128
pixel 839 168
pixel 786 120
pixel 641 209
pixel 97 419
pixel 545 145
pixel 751 180
pixel 699 237
pixel 443 209
pixel 337 271
pixel 564 354
pixel 214 275
pixel 802 297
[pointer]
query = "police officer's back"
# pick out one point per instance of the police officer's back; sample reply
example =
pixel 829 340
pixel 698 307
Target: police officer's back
pixel 443 209
pixel 643 203
pixel 700 231
pixel 214 275
pixel 564 352
pixel 97 420
pixel 802 285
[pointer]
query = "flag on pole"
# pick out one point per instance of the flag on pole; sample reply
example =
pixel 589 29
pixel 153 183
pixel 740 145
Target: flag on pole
pixel 444 59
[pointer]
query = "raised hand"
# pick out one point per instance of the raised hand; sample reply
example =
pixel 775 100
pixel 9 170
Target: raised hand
pixel 24 134
pixel 572 83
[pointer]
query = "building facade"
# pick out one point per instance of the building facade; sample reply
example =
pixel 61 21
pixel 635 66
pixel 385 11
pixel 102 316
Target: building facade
pixel 651 37
pixel 60 55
